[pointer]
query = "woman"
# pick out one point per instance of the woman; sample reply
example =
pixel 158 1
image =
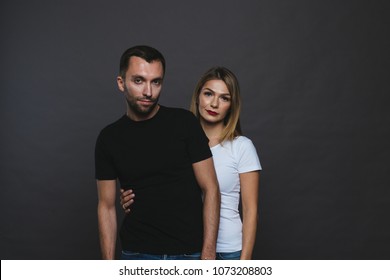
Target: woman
pixel 216 102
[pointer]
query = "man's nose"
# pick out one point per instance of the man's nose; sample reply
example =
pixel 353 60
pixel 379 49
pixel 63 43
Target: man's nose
pixel 147 90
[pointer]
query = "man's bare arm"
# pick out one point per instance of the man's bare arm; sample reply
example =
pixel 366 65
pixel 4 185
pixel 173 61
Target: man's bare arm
pixel 207 180
pixel 107 217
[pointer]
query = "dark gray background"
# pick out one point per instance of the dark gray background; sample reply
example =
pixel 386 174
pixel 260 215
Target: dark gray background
pixel 315 85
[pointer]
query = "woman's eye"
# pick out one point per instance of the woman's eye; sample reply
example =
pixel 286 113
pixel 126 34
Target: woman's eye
pixel 226 99
pixel 207 93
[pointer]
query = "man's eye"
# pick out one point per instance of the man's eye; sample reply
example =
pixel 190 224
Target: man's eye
pixel 157 82
pixel 137 81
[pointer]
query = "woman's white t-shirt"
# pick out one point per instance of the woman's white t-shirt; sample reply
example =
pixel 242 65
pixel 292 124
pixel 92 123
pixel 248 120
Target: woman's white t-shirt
pixel 230 159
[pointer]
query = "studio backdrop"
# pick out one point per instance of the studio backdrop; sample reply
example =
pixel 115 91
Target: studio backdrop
pixel 314 78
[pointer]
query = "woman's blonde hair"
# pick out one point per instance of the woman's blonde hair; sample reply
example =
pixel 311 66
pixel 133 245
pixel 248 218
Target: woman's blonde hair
pixel 232 127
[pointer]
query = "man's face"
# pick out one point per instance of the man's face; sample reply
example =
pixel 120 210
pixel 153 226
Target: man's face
pixel 142 86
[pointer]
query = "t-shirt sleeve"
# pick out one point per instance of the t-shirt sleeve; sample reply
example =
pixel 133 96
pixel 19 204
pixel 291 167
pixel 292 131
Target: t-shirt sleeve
pixel 197 141
pixel 248 159
pixel 104 167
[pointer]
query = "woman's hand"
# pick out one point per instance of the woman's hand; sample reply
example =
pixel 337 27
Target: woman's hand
pixel 126 199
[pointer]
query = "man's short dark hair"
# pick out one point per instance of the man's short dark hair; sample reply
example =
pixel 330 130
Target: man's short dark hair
pixel 147 53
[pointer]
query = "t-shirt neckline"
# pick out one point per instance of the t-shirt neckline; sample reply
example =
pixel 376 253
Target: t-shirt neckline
pixel 129 120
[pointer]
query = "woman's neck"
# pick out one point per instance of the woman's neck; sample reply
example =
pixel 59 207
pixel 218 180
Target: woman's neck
pixel 213 132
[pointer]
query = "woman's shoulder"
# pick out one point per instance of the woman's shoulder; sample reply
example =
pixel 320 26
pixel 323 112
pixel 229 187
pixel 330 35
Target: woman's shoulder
pixel 242 145
pixel 242 140
pixel 246 153
pixel 238 145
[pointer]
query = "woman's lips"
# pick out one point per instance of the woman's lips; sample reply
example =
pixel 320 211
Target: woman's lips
pixel 212 113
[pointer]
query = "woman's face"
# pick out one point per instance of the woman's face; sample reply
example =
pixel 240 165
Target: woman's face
pixel 214 101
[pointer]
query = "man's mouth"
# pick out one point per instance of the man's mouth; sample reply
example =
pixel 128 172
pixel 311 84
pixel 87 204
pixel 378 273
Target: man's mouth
pixel 146 101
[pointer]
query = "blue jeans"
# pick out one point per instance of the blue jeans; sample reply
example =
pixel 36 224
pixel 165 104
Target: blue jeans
pixel 229 256
pixel 129 255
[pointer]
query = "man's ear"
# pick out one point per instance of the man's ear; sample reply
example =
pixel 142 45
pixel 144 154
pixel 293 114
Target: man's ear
pixel 121 83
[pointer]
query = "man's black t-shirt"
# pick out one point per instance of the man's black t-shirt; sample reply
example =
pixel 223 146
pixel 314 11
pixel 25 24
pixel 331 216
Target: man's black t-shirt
pixel 154 158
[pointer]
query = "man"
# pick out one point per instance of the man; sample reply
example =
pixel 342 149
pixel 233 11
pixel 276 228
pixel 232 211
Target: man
pixel 162 154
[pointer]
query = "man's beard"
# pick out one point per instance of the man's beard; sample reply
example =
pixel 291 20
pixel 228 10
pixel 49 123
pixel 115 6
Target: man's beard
pixel 140 110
